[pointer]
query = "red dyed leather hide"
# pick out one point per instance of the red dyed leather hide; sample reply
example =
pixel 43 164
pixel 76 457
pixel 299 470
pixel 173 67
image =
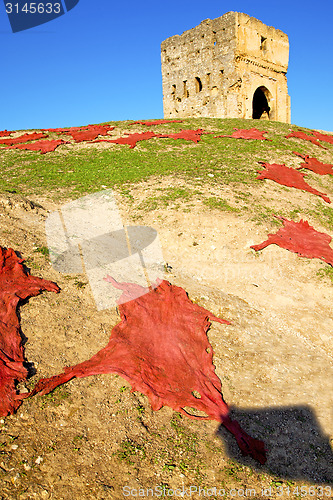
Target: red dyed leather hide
pixel 23 138
pixel 315 165
pixel 132 139
pixel 4 133
pixel 302 135
pixel 323 137
pixel 251 133
pixel 42 146
pixel 188 135
pixel 288 176
pixel 92 133
pixel 301 238
pixel 15 285
pixel 161 347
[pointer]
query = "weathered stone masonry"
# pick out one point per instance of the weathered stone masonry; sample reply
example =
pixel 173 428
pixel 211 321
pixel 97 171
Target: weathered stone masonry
pixel 230 67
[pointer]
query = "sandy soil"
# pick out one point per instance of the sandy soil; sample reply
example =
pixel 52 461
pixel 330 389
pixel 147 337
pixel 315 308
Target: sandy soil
pixel 92 437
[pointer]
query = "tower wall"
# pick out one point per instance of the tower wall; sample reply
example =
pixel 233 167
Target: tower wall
pixel 214 69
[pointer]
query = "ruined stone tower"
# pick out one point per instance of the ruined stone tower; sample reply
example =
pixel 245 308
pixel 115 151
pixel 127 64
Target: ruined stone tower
pixel 230 67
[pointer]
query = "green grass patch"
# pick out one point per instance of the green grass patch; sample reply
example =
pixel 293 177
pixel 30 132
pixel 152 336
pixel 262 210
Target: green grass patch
pixel 326 272
pixel 72 170
pixel 220 204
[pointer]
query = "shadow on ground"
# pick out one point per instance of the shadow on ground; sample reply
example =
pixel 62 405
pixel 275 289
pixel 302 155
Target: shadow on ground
pixel 297 447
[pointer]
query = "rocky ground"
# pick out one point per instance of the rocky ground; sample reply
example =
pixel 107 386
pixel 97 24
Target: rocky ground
pixel 93 438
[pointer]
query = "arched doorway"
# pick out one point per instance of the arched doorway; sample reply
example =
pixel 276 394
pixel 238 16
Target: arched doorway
pixel 260 106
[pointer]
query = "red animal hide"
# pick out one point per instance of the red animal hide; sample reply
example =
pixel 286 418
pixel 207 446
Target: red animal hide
pixel 156 122
pixel 132 139
pixel 4 133
pixel 301 238
pixel 42 146
pixel 302 135
pixel 315 165
pixel 101 129
pixel 92 133
pixel 23 138
pixel 161 347
pixel 15 285
pixel 288 176
pixel 251 133
pixel 188 135
pixel 323 137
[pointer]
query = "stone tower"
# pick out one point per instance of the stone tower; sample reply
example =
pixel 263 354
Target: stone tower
pixel 230 67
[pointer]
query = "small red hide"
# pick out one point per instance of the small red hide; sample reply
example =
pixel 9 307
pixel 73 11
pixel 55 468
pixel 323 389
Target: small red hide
pixel 4 133
pixel 323 137
pixel 301 238
pixel 23 138
pixel 42 146
pixel 188 135
pixel 161 347
pixel 15 285
pixel 156 122
pixel 315 165
pixel 251 133
pixel 302 135
pixel 288 176
pixel 132 139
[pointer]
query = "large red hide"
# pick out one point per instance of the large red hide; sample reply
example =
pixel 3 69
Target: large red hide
pixel 302 135
pixel 315 165
pixel 188 135
pixel 23 138
pixel 323 137
pixel 301 238
pixel 156 122
pixel 42 146
pixel 4 133
pixel 15 285
pixel 92 133
pixel 251 133
pixel 132 139
pixel 161 347
pixel 288 176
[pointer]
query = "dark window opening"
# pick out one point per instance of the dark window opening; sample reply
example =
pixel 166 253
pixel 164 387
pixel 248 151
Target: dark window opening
pixel 263 41
pixel 198 84
pixel 260 107
pixel 185 89
pixel 173 92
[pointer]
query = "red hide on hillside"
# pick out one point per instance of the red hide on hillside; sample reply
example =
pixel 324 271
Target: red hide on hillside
pixel 15 285
pixel 161 347
pixel 288 176
pixel 315 165
pixel 251 133
pixel 301 238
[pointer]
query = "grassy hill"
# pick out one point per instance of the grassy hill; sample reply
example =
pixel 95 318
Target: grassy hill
pixel 91 437
pixel 213 164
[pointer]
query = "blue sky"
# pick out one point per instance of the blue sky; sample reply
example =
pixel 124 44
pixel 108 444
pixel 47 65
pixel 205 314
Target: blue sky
pixel 101 60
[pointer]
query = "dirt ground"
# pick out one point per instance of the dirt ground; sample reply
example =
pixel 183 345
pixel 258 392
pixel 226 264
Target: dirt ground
pixel 94 439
